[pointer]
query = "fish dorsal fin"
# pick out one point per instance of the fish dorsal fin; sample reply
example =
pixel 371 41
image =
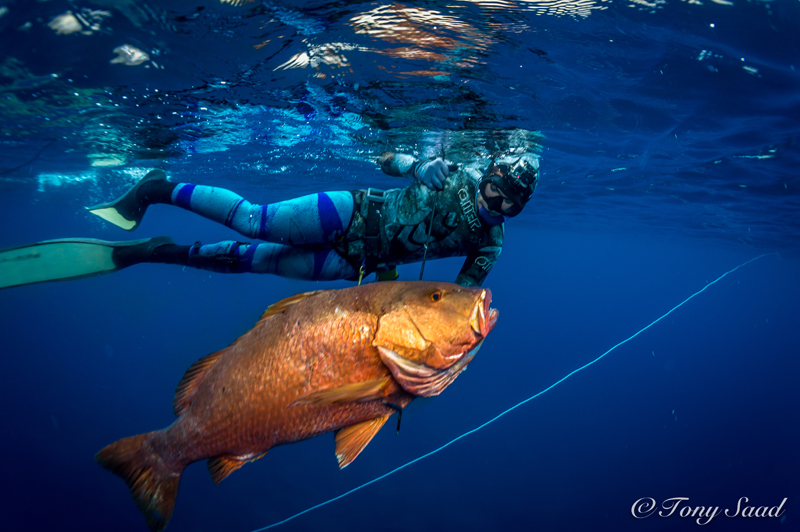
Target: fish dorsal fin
pixel 350 441
pixel 222 466
pixel 348 393
pixel 283 304
pixel 188 384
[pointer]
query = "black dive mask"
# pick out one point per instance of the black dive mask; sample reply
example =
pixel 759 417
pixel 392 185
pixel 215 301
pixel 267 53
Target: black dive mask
pixel 516 181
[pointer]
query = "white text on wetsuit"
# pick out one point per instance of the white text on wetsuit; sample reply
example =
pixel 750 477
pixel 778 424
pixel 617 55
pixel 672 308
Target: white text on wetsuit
pixel 468 208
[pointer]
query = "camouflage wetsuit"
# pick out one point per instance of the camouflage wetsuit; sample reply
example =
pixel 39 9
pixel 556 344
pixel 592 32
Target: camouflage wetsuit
pixel 404 223
pixel 331 235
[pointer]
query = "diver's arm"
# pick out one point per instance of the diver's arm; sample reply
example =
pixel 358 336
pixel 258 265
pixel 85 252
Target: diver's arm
pixel 477 266
pixel 431 172
pixel 398 164
pixel 480 261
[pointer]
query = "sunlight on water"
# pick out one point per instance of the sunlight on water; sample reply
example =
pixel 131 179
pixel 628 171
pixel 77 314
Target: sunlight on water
pixel 47 181
pixel 123 177
pixel 347 83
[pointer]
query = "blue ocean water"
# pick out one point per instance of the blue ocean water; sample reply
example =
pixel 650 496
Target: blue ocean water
pixel 668 134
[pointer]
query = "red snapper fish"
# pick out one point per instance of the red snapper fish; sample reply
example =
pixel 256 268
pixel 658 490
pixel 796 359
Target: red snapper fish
pixel 332 360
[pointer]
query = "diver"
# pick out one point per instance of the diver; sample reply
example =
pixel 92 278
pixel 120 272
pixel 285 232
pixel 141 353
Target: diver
pixel 447 211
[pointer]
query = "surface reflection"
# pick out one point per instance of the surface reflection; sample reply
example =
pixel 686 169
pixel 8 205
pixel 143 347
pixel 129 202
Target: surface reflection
pixel 422 34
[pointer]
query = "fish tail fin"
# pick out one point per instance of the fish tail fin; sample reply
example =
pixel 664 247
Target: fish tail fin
pixel 153 484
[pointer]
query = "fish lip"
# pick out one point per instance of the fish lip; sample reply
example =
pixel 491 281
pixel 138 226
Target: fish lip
pixel 474 321
pixel 483 317
pixel 492 321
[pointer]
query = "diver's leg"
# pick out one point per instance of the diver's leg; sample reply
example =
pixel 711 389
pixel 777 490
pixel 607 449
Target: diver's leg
pixel 277 259
pixel 311 219
pixel 301 263
pixel 230 256
pixel 58 260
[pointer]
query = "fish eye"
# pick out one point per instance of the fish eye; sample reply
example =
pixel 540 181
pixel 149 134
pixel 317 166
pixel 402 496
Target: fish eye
pixel 435 295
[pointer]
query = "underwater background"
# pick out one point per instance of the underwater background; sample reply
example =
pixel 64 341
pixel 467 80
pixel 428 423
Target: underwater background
pixel 668 132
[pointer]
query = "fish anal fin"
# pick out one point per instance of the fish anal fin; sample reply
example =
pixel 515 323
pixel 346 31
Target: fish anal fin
pixel 222 466
pixel 348 393
pixel 350 441
pixel 188 384
pixel 283 304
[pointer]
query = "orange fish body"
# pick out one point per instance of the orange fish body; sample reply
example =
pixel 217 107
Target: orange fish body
pixel 333 360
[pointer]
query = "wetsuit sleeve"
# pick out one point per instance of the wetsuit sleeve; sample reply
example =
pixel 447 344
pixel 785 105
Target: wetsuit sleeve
pixel 477 266
pixel 479 263
pixel 398 164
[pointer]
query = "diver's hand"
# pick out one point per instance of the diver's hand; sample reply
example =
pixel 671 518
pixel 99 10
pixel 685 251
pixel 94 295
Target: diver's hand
pixel 432 173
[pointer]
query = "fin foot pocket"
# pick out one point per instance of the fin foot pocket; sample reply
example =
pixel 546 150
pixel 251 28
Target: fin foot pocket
pixel 139 251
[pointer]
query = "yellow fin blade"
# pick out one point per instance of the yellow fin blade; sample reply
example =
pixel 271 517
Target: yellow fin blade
pixel 113 216
pixel 348 393
pixel 350 441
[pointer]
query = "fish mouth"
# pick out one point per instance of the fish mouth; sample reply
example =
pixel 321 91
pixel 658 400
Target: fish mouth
pixel 421 379
pixel 483 317
pixel 426 381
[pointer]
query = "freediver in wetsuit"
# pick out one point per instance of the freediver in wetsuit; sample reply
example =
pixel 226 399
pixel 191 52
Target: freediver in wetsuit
pixel 326 236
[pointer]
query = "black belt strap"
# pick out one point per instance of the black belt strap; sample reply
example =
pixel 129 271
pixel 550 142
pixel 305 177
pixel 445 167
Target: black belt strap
pixel 372 237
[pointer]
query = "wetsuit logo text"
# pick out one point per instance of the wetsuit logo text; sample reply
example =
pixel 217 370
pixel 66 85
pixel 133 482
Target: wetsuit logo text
pixel 484 263
pixel 468 208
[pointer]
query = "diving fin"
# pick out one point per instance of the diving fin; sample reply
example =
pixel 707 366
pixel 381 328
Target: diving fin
pixel 71 258
pixel 126 211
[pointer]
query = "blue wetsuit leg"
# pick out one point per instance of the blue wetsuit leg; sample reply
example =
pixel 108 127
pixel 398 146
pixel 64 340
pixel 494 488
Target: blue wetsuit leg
pixel 312 219
pixel 315 220
pixel 312 264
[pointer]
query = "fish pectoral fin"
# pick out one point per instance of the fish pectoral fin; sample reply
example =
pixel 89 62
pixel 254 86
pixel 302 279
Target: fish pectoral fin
pixel 222 466
pixel 350 441
pixel 348 393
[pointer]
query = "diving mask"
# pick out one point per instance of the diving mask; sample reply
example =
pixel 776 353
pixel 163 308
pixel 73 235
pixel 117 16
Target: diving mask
pixel 513 180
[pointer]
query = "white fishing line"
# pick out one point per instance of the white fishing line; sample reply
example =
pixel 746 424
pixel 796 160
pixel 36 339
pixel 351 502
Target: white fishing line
pixel 498 416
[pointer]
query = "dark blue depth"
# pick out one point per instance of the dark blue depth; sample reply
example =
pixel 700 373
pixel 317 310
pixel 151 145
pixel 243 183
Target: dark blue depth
pixel 668 135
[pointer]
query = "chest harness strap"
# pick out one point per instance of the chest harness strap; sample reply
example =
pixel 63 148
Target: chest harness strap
pixel 372 233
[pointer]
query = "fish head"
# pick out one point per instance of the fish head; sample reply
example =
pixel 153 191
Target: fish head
pixel 428 332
